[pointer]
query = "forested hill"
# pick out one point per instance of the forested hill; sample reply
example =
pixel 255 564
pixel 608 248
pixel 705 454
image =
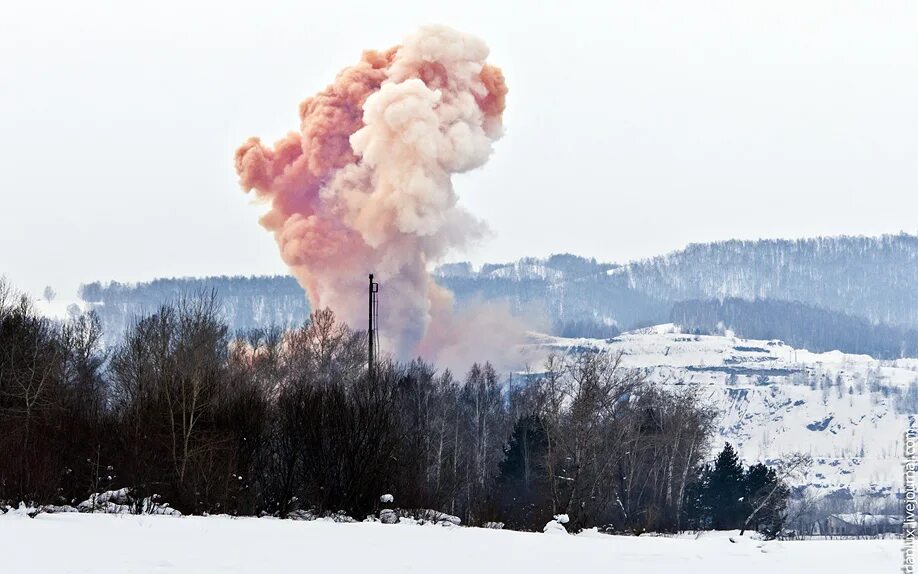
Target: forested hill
pixel 874 279
pixel 244 302
pixel 797 324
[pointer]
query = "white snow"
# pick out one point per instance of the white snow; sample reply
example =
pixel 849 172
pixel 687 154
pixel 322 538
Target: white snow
pixel 21 511
pixel 554 527
pixel 115 544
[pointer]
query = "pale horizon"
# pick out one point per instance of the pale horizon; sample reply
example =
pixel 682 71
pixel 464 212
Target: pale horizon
pixel 632 130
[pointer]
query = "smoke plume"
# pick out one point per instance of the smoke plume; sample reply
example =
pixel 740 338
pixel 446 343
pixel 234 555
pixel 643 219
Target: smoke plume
pixel 365 186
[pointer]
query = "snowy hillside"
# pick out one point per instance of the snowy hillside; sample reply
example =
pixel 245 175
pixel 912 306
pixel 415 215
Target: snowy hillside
pixel 858 292
pixel 848 411
pixel 105 544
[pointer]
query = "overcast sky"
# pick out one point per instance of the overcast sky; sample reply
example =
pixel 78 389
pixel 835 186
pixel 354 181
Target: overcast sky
pixel 632 128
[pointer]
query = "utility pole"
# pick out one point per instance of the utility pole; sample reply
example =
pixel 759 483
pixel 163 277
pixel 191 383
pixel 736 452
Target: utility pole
pixel 372 330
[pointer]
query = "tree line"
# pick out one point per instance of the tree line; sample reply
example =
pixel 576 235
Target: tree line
pixel 797 324
pixel 244 302
pixel 869 277
pixel 271 421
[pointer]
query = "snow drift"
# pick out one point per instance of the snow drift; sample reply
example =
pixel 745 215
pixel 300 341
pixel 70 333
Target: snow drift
pixel 102 543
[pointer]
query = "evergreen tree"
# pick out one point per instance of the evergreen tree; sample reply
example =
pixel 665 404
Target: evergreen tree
pixel 695 516
pixel 727 497
pixel 524 495
pixel 725 490
pixel 759 482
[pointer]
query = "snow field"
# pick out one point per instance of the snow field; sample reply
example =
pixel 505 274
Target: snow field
pixel 113 544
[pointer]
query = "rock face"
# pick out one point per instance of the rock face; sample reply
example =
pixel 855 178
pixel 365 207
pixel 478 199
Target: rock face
pixel 418 516
pixel 388 516
pixel 121 501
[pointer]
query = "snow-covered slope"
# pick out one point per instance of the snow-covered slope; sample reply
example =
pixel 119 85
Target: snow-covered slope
pixel 849 412
pixel 101 544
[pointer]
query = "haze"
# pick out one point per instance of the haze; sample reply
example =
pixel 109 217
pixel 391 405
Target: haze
pixel 632 128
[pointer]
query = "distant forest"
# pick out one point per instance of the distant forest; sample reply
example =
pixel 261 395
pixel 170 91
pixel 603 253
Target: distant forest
pixel 797 324
pixel 858 294
pixel 242 302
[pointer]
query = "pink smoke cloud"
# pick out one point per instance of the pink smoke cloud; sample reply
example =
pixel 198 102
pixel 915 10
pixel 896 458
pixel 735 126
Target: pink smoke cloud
pixel 365 185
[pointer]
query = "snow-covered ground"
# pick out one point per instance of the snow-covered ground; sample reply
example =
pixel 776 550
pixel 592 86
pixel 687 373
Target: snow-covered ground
pixel 103 544
pixel 850 412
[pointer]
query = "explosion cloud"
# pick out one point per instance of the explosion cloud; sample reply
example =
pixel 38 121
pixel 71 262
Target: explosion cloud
pixel 365 185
